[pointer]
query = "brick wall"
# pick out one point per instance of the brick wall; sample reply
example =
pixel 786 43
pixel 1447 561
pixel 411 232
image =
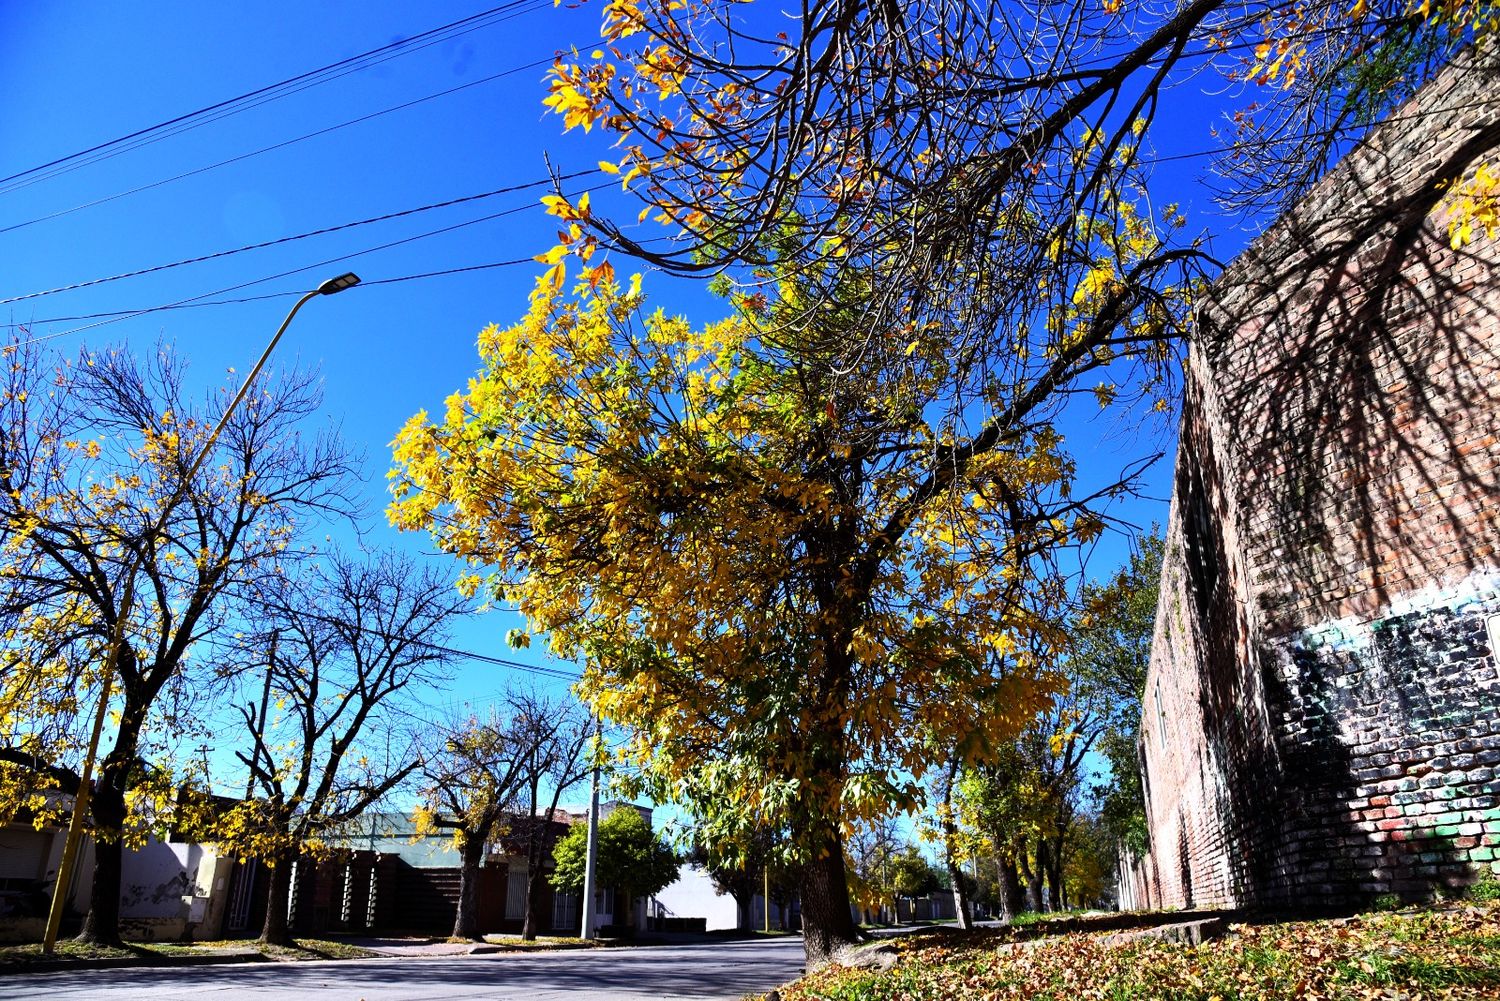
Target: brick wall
pixel 1322 713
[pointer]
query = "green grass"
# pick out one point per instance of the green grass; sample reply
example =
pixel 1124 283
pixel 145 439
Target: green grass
pixel 1038 917
pixel 1384 971
pixel 29 953
pixel 542 943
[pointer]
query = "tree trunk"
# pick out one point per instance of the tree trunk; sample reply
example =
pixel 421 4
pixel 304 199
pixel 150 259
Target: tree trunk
pixel 1054 879
pixel 1012 898
pixel 101 925
pixel 827 919
pixel 960 895
pixel 532 924
pixel 1035 898
pixel 466 920
pixel 276 930
pixel 950 841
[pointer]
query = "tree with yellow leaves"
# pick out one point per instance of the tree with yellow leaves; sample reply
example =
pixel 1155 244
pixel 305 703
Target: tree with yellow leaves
pixel 94 450
pixel 788 569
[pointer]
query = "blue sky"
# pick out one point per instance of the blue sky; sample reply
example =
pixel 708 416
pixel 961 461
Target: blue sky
pixel 79 74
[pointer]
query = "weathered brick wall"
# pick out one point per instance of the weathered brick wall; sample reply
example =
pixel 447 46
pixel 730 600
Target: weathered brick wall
pixel 1322 714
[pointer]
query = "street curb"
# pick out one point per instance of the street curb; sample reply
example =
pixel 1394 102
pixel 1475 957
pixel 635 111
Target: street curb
pixel 125 963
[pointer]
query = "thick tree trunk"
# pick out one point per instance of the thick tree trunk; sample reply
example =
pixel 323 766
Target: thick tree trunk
pixel 101 925
pixel 827 919
pixel 466 920
pixel 1035 897
pixel 960 895
pixel 1012 897
pixel 277 928
pixel 1054 879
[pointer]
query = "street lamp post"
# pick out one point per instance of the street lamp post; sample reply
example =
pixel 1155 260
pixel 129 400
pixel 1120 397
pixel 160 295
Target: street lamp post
pixel 117 635
pixel 590 857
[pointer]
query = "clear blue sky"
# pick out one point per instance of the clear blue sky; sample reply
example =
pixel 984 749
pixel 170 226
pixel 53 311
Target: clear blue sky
pixel 78 74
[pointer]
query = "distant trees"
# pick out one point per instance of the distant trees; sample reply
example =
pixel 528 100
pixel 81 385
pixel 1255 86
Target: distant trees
pixel 471 785
pixel 557 735
pixel 354 634
pixel 1037 818
pixel 631 858
pixel 912 875
pixel 1113 651
pixel 101 537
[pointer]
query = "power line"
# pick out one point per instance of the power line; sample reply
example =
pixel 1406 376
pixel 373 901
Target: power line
pixel 275 146
pixel 261 95
pixel 261 298
pixel 116 317
pixel 511 189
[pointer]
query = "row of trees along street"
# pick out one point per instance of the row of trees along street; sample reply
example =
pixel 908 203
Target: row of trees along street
pixel 826 547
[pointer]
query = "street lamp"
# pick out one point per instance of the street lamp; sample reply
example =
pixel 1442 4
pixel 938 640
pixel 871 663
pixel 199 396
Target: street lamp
pixel 117 637
pixel 338 284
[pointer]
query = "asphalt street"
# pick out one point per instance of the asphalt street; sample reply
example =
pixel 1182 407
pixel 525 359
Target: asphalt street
pixel 725 971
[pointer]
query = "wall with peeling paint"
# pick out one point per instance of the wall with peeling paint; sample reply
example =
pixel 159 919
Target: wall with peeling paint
pixel 1322 713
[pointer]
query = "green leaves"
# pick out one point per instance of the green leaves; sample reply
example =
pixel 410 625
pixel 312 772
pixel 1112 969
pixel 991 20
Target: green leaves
pixel 631 856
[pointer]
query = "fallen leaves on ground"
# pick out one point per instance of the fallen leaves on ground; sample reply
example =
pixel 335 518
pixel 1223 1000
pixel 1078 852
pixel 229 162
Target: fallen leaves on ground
pixel 1449 952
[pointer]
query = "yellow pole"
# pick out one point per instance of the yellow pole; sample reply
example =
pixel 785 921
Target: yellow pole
pixel 81 798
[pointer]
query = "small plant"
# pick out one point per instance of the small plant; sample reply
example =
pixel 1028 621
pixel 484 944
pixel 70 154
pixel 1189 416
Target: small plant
pixel 1485 889
pixel 1386 902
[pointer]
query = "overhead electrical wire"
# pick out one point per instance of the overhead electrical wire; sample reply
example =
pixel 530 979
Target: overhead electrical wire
pixel 198 300
pixel 261 95
pixel 289 293
pixel 510 189
pixel 275 146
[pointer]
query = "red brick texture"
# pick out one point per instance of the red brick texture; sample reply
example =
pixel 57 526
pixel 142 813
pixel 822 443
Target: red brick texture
pixel 1322 712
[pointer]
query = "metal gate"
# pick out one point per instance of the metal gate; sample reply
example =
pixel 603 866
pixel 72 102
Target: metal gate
pixel 241 895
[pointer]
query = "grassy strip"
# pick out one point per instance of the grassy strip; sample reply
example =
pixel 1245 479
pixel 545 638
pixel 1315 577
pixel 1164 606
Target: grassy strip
pixel 542 943
pixel 1451 952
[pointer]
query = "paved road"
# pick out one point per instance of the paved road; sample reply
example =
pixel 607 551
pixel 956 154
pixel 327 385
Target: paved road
pixel 719 971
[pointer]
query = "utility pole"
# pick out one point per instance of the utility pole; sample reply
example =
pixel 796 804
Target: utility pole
pixel 586 932
pixel 117 636
pixel 765 897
